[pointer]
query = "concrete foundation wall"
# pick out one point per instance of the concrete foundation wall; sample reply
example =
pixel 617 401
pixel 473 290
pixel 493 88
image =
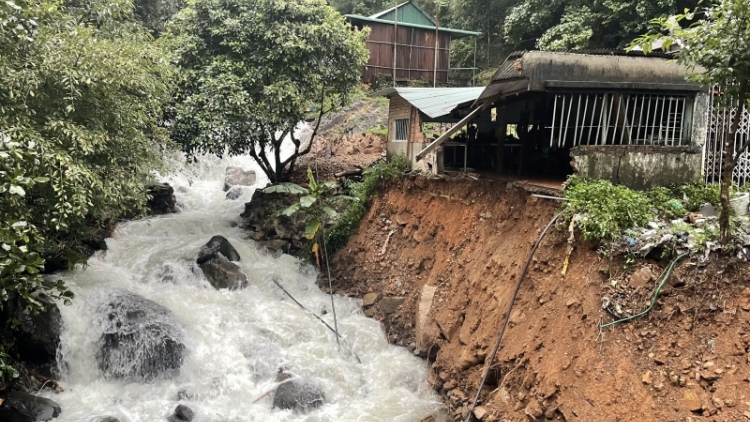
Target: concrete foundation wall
pixel 638 167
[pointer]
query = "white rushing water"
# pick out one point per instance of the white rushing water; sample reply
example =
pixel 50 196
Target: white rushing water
pixel 235 340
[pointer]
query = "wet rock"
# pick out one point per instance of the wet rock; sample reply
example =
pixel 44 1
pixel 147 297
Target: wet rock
pixel 37 336
pixel 106 419
pixel 708 210
pixel 234 193
pixel 141 339
pixel 181 413
pixel 223 274
pixel 274 245
pixel 217 245
pixel 390 304
pixel 162 200
pixel 236 176
pixel 298 394
pixel 18 406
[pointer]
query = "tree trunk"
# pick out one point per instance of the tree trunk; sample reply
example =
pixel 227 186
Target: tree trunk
pixel 726 183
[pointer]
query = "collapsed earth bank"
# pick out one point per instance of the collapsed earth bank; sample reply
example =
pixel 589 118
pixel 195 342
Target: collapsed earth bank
pixel 451 250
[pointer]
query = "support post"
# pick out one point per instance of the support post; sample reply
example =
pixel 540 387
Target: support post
pixel 395 43
pixel 500 133
pixel 474 70
pixel 437 38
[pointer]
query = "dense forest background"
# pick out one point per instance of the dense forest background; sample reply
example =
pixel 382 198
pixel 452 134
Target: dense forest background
pixel 509 25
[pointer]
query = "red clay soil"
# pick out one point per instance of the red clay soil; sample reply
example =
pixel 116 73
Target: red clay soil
pixel 687 360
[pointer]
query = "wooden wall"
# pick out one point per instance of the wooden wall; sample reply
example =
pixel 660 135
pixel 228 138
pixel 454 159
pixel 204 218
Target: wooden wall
pixel 415 53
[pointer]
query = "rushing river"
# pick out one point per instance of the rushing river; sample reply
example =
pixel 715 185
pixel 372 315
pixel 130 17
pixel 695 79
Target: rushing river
pixel 235 339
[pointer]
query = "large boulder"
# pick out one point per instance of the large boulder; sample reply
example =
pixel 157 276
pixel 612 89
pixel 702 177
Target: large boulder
pixel 217 245
pixel 18 406
pixel 299 394
pixel 223 274
pixel 141 339
pixel 162 199
pixel 259 219
pixel 236 176
pixel 37 336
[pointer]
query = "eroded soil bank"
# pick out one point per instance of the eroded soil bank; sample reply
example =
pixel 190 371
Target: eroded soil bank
pixel 685 361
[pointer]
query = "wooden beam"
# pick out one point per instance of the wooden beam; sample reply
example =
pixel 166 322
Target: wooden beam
pixel 444 137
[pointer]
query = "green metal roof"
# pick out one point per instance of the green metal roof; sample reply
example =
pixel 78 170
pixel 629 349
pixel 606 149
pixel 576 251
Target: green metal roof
pixel 407 12
pixel 461 33
pixel 434 102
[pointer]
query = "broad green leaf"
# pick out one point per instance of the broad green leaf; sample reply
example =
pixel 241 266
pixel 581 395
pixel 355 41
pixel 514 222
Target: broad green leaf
pixel 307 201
pixel 290 188
pixel 312 228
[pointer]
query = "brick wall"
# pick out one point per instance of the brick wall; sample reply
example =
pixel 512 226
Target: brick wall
pixel 399 108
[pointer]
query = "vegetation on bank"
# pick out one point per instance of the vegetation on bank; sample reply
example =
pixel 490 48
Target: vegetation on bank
pixel 373 177
pixel 605 211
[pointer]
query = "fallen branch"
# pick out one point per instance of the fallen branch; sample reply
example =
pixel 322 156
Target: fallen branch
pixel 46 382
pixel 346 173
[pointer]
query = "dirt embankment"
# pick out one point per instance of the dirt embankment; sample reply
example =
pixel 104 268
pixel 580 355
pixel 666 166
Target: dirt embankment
pixel 685 361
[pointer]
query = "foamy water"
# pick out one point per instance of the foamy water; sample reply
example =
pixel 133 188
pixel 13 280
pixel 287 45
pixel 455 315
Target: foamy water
pixel 235 340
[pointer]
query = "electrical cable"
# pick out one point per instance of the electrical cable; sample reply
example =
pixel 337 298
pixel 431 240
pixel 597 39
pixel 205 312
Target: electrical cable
pixel 507 315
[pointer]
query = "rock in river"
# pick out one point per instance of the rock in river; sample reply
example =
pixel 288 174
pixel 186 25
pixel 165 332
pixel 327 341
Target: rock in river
pixel 298 394
pixel 18 406
pixel 223 274
pixel 141 339
pixel 217 245
pixel 236 176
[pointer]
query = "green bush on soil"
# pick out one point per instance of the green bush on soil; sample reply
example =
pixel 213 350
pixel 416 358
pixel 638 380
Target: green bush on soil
pixel 372 177
pixel 607 210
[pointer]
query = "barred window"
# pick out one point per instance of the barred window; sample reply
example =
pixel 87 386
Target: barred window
pixel 620 119
pixel 401 130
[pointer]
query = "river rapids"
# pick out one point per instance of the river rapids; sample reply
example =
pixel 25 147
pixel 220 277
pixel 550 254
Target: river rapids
pixel 235 340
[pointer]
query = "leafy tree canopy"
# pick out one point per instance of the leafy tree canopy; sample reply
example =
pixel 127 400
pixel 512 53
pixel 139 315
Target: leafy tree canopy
pixel 251 70
pixel 81 89
pixel 577 24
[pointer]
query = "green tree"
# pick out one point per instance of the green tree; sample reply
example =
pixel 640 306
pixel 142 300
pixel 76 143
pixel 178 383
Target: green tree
pixel 578 24
pixel 81 91
pixel 717 48
pixel 252 70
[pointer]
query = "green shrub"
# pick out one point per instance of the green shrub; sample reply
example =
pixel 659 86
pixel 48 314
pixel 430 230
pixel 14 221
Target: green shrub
pixel 663 199
pixel 372 177
pixel 695 194
pixel 606 210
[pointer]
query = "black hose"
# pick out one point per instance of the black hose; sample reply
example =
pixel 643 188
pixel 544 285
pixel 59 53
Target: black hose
pixel 507 314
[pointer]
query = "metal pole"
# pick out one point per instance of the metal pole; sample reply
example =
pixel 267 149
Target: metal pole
pixel 437 37
pixel 474 70
pixel 395 41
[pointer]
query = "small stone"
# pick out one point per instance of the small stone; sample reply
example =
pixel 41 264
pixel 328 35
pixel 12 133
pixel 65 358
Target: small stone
pixel 450 385
pixel 718 403
pixel 369 299
pixel 518 406
pixel 370 312
pixel 685 364
pixel 480 413
pixel 390 304
pixel 646 379
pixel 691 400
pixel 533 409
pixel 550 412
pixel 708 364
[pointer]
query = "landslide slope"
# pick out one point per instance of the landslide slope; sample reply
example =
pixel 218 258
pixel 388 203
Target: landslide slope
pixel 685 361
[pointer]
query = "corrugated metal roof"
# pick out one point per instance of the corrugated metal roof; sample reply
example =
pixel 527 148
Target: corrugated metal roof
pixel 408 12
pixel 434 102
pixel 460 32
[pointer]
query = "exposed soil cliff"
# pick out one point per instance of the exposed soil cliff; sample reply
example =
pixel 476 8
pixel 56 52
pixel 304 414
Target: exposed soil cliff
pixel 687 360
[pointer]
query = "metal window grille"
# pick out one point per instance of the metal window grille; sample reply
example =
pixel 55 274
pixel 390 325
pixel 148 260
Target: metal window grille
pixel 719 121
pixel 401 130
pixel 620 119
